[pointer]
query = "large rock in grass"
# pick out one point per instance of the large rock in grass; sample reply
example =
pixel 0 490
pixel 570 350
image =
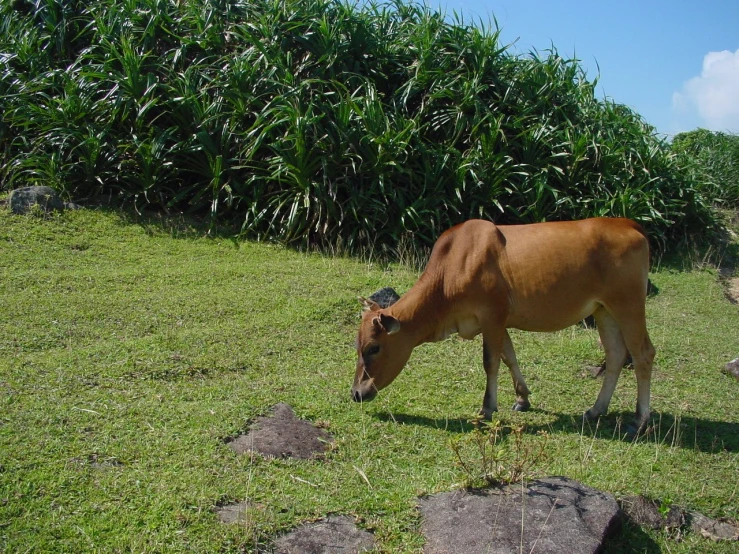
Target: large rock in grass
pixel 553 515
pixel 22 200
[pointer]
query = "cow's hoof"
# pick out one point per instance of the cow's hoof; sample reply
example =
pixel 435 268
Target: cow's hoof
pixel 590 415
pixel 631 433
pixel 521 406
pixel 636 429
pixel 486 414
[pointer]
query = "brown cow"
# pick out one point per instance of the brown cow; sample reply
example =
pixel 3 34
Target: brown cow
pixel 483 278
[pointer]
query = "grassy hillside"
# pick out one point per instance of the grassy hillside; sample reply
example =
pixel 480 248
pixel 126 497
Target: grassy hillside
pixel 129 353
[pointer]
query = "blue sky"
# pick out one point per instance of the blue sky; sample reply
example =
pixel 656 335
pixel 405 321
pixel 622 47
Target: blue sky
pixel 674 62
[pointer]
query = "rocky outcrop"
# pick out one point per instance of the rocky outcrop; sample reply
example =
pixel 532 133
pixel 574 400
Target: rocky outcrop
pixel 22 200
pixel 552 515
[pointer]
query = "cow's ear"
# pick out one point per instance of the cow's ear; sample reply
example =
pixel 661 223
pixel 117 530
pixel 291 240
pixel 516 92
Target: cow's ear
pixel 389 323
pixel 369 305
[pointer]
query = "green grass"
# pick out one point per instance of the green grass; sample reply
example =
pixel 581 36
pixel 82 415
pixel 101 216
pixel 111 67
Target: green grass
pixel 130 351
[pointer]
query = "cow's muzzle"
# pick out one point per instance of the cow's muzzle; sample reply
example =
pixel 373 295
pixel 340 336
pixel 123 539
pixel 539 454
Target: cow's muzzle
pixel 364 392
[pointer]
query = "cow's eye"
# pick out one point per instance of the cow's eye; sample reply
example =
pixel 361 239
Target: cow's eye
pixel 372 350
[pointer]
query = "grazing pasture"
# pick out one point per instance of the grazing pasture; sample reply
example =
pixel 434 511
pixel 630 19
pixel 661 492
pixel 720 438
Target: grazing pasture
pixel 132 350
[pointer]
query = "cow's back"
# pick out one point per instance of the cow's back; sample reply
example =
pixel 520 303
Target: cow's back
pixel 559 272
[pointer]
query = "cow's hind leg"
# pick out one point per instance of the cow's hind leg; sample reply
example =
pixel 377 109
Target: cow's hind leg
pixel 522 391
pixel 642 351
pixel 625 332
pixel 615 347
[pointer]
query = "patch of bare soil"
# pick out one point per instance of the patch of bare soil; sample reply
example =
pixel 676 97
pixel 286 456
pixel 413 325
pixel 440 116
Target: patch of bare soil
pixel 651 513
pixel 729 270
pixel 283 435
pixel 729 279
pixel 677 521
pixel 732 289
pixel 233 513
pixel 333 535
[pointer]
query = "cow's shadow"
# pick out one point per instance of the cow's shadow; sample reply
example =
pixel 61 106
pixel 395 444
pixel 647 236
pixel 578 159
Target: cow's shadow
pixel 681 431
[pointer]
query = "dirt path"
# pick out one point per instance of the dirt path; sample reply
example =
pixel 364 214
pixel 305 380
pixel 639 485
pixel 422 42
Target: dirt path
pixel 732 289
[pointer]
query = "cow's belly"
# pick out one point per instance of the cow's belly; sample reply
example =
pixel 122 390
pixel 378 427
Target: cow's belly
pixel 466 327
pixel 550 316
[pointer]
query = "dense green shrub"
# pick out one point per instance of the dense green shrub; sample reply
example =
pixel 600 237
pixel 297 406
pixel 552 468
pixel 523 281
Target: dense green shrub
pixel 713 158
pixel 317 121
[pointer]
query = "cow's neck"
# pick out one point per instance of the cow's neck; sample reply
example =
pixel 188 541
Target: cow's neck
pixel 421 311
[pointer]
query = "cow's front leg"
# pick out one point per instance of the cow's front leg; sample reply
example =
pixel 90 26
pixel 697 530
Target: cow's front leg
pixel 492 346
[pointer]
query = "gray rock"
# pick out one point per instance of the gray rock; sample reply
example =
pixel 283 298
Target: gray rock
pixel 23 199
pixel 732 368
pixel 594 371
pixel 559 516
pixel 282 436
pixel 713 529
pixel 333 535
pixel 385 297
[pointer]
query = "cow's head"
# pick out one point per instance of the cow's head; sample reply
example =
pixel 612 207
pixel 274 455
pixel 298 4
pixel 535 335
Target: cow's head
pixel 382 351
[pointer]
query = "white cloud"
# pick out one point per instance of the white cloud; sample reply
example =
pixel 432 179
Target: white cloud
pixel 714 95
